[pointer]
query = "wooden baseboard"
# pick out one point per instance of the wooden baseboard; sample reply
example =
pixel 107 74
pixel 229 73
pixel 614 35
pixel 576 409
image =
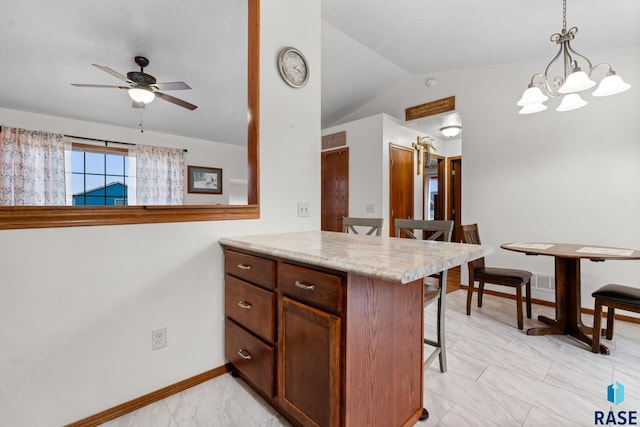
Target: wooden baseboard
pixel 137 403
pixel 622 317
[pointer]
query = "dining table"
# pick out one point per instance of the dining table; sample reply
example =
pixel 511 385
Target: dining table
pixel 568 319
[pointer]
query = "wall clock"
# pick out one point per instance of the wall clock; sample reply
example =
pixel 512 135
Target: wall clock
pixel 293 67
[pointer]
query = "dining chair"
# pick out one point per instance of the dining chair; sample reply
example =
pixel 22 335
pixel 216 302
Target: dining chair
pixel 349 224
pixel 612 296
pixel 435 286
pixel 482 274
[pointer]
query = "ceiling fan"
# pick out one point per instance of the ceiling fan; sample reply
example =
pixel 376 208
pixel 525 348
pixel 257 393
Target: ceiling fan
pixel 143 87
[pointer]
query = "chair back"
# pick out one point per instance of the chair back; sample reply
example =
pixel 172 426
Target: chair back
pixel 471 235
pixel 349 224
pixel 430 230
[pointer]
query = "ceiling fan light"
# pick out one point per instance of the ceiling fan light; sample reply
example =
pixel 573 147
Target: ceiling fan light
pixel 450 131
pixel 141 95
pixel 577 82
pixel 532 108
pixel 611 85
pixel 570 102
pixel 533 95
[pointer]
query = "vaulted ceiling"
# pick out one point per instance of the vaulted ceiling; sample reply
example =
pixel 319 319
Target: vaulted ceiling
pixel 368 47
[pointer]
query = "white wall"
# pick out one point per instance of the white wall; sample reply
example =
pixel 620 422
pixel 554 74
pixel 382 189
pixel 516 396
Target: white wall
pixel 557 177
pixel 368 140
pixel 364 139
pixel 77 305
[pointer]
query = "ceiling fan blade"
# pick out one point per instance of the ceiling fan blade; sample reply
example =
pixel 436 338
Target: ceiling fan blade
pixel 99 86
pixel 172 86
pixel 176 101
pixel 135 104
pixel 113 73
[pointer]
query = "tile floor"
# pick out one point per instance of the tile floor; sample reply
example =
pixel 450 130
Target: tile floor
pixel 497 376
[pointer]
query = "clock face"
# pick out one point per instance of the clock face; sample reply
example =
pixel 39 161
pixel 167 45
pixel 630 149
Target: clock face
pixel 293 67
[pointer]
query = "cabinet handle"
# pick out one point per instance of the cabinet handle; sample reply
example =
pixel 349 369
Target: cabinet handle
pixel 244 354
pixel 304 286
pixel 244 266
pixel 245 305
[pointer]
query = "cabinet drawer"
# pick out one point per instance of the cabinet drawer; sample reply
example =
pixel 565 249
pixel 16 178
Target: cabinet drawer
pixel 319 289
pixel 250 356
pixel 253 269
pixel 251 306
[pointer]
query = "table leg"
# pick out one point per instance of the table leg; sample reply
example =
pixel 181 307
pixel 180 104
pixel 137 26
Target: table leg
pixel 567 274
pixel 568 305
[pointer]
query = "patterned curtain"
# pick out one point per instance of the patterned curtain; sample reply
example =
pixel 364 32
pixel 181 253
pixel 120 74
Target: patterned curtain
pixel 31 168
pixel 159 175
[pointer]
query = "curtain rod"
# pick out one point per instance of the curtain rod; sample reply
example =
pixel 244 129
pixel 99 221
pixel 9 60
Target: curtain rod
pixel 106 141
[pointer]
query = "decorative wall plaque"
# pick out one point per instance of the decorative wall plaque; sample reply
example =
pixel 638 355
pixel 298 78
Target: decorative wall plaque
pixel 430 108
pixel 334 140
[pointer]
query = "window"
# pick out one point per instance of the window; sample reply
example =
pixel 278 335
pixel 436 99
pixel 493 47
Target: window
pixel 99 176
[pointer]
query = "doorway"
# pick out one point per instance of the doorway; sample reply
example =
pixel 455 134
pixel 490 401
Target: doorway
pixel 334 188
pixel 454 210
pixel 433 186
pixel 400 184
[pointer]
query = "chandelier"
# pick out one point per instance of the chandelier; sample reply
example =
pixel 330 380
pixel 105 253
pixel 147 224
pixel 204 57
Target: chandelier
pixel 570 79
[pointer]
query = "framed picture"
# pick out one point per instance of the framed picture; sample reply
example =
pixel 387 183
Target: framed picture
pixel 204 180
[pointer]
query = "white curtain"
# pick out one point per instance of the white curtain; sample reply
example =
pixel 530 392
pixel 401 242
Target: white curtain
pixel 31 168
pixel 159 175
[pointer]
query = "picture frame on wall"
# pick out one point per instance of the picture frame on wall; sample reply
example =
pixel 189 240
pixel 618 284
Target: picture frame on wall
pixel 204 180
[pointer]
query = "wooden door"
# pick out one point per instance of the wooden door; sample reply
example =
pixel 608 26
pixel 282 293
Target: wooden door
pixel 454 210
pixel 400 184
pixel 309 364
pixel 334 190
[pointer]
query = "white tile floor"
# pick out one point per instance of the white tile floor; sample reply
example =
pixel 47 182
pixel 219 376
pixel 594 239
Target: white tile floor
pixel 497 376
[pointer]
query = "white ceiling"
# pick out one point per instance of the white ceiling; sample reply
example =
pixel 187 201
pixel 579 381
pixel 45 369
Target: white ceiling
pixel 368 47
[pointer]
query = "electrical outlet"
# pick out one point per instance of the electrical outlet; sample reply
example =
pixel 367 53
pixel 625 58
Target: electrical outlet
pixel 303 209
pixel 158 338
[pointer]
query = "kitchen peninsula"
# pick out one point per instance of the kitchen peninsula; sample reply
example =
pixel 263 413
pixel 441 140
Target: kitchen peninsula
pixel 328 327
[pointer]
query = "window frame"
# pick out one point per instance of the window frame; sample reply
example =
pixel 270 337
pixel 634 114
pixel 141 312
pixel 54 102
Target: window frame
pixel 103 150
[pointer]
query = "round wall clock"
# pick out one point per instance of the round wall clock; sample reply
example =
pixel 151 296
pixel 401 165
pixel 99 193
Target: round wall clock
pixel 293 67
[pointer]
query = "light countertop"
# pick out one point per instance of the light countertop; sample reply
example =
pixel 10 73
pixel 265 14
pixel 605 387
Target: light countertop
pixel 387 258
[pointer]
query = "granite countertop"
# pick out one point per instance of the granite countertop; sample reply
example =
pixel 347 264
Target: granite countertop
pixel 388 258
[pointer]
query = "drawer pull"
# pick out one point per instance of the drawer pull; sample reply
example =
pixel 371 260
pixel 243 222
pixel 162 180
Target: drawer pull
pixel 245 305
pixel 244 266
pixel 244 354
pixel 304 286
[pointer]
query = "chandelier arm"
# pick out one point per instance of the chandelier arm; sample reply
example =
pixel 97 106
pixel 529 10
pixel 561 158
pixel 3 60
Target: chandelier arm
pixel 545 76
pixel 603 64
pixel 570 49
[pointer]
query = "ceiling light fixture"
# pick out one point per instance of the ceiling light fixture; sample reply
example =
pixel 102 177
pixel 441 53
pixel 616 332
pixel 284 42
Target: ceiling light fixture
pixel 139 94
pixel 573 79
pixel 450 131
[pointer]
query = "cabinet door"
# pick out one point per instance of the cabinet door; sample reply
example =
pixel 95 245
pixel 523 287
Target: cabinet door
pixel 309 364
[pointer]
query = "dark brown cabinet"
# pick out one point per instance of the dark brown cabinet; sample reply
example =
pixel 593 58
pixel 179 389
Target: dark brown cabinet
pixel 326 348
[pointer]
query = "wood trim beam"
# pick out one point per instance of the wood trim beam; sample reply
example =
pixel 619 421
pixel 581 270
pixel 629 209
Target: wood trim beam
pixel 155 396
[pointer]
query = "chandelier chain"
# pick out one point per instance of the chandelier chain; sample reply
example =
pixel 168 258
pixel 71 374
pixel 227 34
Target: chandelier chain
pixel 564 16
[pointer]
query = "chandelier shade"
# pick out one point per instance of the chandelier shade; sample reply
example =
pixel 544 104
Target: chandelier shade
pixel 611 85
pixel 533 95
pixel 577 82
pixel 571 101
pixel 533 108
pixel 567 74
